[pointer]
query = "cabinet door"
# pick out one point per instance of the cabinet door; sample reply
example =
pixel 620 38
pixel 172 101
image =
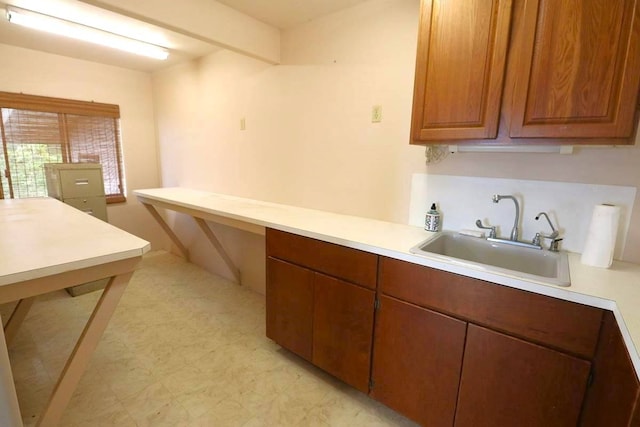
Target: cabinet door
pixel 417 360
pixel 578 69
pixel 289 296
pixel 509 382
pixel 635 421
pixel 612 395
pixel 460 69
pixel 343 330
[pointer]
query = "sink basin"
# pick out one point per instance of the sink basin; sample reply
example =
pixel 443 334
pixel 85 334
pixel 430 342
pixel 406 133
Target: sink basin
pixel 501 258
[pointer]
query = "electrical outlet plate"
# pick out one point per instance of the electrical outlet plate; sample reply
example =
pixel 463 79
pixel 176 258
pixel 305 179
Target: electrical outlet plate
pixel 243 124
pixel 376 114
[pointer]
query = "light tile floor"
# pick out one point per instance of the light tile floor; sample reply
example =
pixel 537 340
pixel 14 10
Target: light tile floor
pixel 184 348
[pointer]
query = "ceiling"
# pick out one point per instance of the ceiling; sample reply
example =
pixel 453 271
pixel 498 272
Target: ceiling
pixel 285 14
pixel 281 14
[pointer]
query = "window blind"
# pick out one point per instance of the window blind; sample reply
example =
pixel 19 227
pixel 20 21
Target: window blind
pixel 38 130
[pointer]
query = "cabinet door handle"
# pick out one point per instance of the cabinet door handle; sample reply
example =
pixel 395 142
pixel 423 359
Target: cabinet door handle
pixel 82 181
pixel 89 211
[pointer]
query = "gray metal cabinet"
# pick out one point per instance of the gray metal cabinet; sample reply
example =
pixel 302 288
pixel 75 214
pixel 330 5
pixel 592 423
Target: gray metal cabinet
pixel 79 185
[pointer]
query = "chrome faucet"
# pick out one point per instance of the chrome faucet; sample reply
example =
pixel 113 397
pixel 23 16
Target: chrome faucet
pixel 553 246
pixel 514 230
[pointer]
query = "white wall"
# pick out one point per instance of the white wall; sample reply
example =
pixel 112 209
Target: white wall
pixel 38 73
pixel 309 139
pixel 606 166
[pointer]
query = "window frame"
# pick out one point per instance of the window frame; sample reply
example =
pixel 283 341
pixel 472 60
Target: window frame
pixel 62 107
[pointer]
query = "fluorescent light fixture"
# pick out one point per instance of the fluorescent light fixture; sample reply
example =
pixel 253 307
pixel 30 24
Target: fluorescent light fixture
pixel 562 149
pixel 74 30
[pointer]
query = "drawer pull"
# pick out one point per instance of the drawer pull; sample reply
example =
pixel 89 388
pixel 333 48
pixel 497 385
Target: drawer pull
pixel 83 181
pixel 88 211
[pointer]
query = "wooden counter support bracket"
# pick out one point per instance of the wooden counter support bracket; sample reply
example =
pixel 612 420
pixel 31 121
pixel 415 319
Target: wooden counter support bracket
pixel 154 213
pixel 15 320
pixel 216 244
pixel 81 354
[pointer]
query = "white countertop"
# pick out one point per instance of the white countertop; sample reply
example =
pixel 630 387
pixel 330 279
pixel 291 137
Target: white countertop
pixel 616 288
pixel 42 236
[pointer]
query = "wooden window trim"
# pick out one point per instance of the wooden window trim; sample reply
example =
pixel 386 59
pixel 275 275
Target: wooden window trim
pixel 58 105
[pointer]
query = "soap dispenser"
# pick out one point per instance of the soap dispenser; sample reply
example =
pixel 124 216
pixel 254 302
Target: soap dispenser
pixel 432 219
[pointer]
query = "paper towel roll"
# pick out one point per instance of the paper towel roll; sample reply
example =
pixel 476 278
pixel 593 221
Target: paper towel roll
pixel 601 237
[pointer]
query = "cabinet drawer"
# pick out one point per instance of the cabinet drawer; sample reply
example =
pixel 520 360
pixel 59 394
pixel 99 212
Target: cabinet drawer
pixel 345 263
pixel 96 206
pixel 81 183
pixel 556 323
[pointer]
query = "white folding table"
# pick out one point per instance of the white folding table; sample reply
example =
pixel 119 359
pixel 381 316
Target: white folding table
pixel 46 245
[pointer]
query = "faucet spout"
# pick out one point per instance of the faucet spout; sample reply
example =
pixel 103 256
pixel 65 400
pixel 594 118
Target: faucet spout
pixel 554 232
pixel 514 231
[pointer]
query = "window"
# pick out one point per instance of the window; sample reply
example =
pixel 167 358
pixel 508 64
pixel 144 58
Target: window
pixel 36 130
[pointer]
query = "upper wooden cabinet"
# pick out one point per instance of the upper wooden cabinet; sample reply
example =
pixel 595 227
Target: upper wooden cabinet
pixel 515 71
pixel 462 48
pixel 579 69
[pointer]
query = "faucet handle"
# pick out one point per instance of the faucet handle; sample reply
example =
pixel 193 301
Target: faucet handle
pixel 554 245
pixel 492 233
pixel 536 239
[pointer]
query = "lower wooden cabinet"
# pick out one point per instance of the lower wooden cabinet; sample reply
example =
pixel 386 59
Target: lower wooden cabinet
pixel 510 382
pixel 324 319
pixel 444 349
pixel 417 360
pixel 342 330
pixel 635 420
pixel 612 396
pixel 290 306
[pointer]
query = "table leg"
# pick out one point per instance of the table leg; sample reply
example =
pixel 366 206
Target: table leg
pixel 79 358
pixel 16 318
pixel 9 408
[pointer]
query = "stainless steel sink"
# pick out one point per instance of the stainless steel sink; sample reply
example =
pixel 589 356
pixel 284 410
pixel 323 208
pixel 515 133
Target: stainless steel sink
pixel 526 263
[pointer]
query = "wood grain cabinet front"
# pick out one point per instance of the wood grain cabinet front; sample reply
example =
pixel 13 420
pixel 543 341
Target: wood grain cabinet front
pixel 343 330
pixel 462 49
pixel 314 312
pixel 578 69
pixel 495 355
pixel 510 382
pixel 615 389
pixel 417 360
pixel 563 325
pixel 635 420
pixel 444 349
pixel 514 71
pixel 290 306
